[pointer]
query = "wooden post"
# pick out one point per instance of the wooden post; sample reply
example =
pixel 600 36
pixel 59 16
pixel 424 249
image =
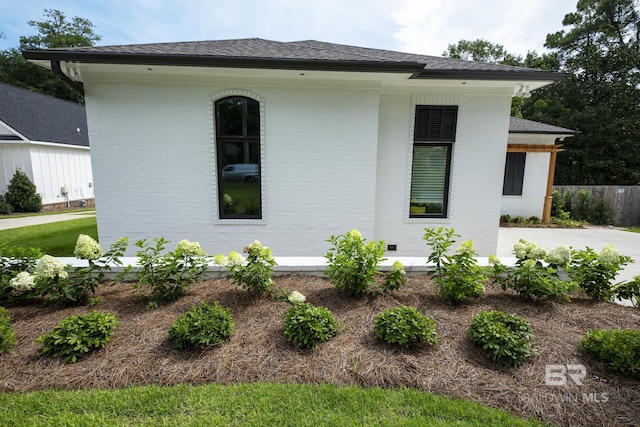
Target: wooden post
pixel 548 199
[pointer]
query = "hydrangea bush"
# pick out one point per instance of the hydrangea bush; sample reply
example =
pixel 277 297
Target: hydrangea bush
pixel 457 276
pixel 165 276
pixel 595 272
pixel 353 264
pixel 253 273
pixel 535 274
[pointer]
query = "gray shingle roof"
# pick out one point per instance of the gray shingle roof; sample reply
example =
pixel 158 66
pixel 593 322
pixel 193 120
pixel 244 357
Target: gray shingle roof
pixel 308 54
pixel 517 125
pixel 43 118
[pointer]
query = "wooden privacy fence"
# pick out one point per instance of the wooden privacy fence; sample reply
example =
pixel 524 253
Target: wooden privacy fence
pixel 623 202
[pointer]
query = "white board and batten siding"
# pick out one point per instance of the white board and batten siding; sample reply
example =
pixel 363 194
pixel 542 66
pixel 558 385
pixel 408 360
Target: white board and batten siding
pixel 50 167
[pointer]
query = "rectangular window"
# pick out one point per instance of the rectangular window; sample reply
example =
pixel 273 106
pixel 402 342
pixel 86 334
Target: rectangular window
pixel 514 174
pixel 434 134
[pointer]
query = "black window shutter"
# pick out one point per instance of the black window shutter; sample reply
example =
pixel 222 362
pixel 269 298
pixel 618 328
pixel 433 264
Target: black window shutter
pixel 514 174
pixel 435 123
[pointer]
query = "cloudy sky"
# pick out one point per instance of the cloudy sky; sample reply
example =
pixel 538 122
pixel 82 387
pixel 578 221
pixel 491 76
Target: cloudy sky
pixel 417 26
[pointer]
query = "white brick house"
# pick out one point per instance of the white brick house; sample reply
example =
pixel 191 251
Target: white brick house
pixel 344 137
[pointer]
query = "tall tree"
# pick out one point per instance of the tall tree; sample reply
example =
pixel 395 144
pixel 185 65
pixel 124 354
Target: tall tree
pixel 481 51
pixel 54 31
pixel 601 50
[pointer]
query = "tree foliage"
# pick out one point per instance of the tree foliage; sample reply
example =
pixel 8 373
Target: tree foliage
pixel 53 31
pixel 601 97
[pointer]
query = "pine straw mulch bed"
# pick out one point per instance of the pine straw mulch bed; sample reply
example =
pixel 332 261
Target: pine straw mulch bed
pixel 139 354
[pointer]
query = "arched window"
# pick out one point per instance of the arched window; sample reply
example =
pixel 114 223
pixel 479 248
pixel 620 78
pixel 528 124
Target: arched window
pixel 237 121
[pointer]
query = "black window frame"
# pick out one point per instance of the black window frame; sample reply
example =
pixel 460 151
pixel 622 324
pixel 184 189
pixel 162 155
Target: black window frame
pixel 245 137
pixel 435 126
pixel 514 168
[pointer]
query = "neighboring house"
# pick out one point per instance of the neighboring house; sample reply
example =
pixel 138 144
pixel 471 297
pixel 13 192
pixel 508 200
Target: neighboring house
pixel 343 137
pixel 530 166
pixel 46 138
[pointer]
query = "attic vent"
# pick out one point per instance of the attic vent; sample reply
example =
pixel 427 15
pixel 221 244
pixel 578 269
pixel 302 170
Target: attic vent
pixel 435 123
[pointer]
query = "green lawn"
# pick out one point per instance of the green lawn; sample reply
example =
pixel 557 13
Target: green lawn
pixel 247 404
pixel 632 229
pixel 22 215
pixel 56 238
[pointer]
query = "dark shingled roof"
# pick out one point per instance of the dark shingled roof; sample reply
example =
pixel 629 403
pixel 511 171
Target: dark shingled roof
pixel 43 118
pixel 308 54
pixel 517 125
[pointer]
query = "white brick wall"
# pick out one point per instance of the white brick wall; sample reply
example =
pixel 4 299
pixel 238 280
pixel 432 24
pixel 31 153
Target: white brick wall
pixel 534 186
pixel 334 159
pixel 153 165
pixel 478 164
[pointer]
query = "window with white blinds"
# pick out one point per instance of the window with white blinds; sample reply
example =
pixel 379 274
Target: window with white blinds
pixel 434 133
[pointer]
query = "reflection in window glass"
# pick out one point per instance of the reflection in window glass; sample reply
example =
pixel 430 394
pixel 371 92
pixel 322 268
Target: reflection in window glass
pixel 429 180
pixel 238 157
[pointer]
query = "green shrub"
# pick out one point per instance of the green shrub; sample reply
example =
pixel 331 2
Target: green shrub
pixel 628 291
pixel 556 203
pixel 21 194
pixel 353 264
pixel 202 326
pixel 506 218
pixel 583 206
pixel 405 327
pixel 599 213
pixel 82 282
pixel 618 350
pixel 253 273
pixel 595 272
pixel 166 276
pixel 457 276
pixel 567 203
pixel 5 207
pixel 76 336
pixel 14 261
pixel 529 277
pixel 7 336
pixel 305 325
pixel 504 338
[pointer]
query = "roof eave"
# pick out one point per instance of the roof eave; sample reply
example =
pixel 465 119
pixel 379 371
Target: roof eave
pixel 533 75
pixel 226 62
pixel 536 132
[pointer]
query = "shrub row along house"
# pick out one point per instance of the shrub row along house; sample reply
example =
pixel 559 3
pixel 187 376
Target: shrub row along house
pixel 46 138
pixel 230 141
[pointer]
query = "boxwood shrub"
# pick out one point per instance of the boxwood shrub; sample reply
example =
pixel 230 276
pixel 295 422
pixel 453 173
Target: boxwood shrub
pixel 618 350
pixel 504 338
pixel 202 326
pixel 405 327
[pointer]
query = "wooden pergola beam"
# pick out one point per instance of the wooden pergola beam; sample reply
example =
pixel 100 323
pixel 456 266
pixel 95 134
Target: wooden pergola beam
pixel 534 148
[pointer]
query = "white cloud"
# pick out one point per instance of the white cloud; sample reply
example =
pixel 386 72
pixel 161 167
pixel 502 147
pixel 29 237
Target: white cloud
pixel 428 27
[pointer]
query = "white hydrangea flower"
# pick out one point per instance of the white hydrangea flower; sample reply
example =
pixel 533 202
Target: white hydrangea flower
pixel 22 282
pixel 220 259
pixel 559 256
pixel 87 248
pixel 296 297
pixel 609 255
pixel 494 260
pixel 49 267
pixel 188 248
pixel 466 247
pixel 355 233
pixel 528 250
pixel 235 260
pixel 397 267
